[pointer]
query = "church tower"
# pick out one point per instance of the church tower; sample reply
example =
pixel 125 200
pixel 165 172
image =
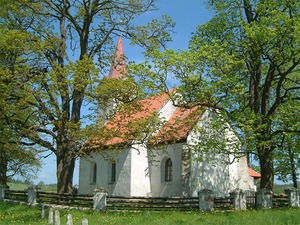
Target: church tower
pixel 118 67
pixel 117 71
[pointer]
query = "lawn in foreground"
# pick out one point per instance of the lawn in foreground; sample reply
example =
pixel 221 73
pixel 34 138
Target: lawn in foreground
pixel 15 214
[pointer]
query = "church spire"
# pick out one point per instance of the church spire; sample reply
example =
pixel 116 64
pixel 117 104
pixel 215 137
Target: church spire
pixel 118 67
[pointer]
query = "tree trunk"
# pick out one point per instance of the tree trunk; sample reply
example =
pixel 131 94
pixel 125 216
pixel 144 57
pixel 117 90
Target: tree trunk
pixel 266 168
pixel 293 167
pixel 65 169
pixel 3 168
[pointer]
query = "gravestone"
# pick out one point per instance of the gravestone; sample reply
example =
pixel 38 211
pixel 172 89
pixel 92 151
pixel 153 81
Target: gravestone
pixel 50 217
pixel 32 195
pixel 44 211
pixel 99 200
pixel 264 199
pixel 84 222
pixel 206 200
pixel 56 218
pixel 69 219
pixel 239 199
pixel 293 196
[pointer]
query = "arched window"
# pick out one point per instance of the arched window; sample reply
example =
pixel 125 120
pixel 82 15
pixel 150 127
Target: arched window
pixel 168 170
pixel 113 172
pixel 94 173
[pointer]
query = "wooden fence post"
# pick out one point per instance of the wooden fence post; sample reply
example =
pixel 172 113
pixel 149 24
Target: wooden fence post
pixel 239 199
pixel 99 200
pixel 293 196
pixel 264 199
pixel 206 200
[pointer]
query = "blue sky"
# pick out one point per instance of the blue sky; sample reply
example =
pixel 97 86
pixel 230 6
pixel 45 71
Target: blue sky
pixel 187 14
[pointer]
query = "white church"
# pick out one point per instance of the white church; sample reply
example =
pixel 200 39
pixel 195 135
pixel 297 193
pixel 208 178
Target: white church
pixel 170 167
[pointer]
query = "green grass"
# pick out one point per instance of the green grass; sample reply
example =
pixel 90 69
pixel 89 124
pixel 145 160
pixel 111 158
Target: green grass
pixel 15 214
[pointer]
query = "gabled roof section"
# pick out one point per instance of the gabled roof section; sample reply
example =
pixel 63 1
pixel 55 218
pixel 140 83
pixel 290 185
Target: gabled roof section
pixel 139 121
pixel 130 123
pixel 179 125
pixel 118 67
pixel 253 173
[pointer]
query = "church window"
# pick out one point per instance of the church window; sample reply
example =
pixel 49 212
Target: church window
pixel 168 170
pixel 113 172
pixel 94 173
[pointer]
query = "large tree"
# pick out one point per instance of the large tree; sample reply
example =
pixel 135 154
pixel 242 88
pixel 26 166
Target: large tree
pixel 17 156
pixel 74 42
pixel 245 63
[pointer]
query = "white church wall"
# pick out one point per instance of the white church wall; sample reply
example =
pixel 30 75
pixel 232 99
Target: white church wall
pixel 121 186
pixel 234 171
pixel 140 178
pixel 238 168
pixel 159 186
pixel 214 176
pixel 84 180
pixel 86 184
pixel 221 173
pixel 244 180
pixel 208 170
pixel 167 111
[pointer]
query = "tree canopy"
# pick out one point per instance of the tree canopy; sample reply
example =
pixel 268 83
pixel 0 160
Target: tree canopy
pixel 244 62
pixel 72 46
pixel 17 156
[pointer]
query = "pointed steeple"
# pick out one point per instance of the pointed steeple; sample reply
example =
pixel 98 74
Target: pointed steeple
pixel 118 67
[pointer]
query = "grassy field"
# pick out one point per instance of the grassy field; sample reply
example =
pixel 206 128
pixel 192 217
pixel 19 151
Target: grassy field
pixel 22 186
pixel 15 214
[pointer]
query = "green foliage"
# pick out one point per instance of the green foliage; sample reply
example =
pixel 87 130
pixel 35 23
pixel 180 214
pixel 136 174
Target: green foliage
pixel 18 157
pixel 287 162
pixel 57 49
pixel 245 63
pixel 113 93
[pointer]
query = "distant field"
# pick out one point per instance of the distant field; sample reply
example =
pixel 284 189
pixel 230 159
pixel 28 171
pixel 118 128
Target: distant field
pixel 22 186
pixel 15 214
pixel 279 189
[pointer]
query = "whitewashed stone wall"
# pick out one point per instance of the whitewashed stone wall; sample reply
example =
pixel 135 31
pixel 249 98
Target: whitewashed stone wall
pixel 140 177
pixel 159 186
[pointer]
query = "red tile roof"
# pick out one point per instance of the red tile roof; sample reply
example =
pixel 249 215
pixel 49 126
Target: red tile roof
pixel 253 173
pixel 129 123
pixel 132 124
